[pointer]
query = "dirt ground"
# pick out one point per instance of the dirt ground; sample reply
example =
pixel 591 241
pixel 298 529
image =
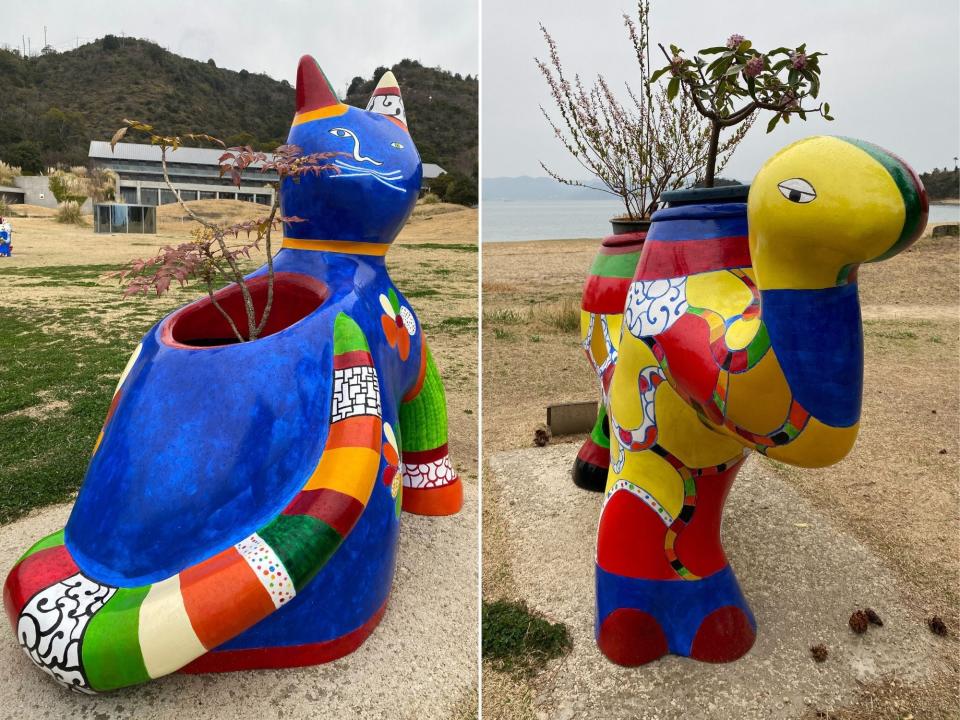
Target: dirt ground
pixel 897 493
pixel 421 661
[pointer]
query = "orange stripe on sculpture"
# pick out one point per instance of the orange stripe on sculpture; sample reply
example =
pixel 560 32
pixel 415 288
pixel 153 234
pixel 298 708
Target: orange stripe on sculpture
pixel 223 597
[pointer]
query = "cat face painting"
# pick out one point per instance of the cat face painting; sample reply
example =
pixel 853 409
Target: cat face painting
pixel 376 174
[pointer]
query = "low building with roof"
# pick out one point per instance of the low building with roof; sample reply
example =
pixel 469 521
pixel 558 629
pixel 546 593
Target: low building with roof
pixel 195 172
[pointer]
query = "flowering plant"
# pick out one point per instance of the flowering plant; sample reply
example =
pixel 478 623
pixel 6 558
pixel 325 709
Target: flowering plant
pixel 215 252
pixel 740 81
pixel 636 149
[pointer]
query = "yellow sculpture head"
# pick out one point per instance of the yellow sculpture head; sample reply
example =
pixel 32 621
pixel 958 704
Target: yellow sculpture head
pixel 823 205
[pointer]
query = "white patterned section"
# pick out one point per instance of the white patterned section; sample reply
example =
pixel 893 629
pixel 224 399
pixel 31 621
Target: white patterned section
pixel 355 392
pixel 51 627
pixel 654 305
pixel 408 322
pixel 268 568
pixel 428 475
pixel 388 105
pixel 647 498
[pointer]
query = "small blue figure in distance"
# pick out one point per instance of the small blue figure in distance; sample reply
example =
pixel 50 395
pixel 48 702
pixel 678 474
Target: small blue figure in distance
pixel 6 238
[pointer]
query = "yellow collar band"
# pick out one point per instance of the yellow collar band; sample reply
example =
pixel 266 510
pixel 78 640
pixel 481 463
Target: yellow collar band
pixel 338 246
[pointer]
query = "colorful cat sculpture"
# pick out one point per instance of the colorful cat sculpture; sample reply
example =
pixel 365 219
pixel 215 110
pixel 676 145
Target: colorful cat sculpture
pixel 740 332
pixel 241 508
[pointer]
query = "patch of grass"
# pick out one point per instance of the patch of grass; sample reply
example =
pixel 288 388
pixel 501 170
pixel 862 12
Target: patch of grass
pixel 893 334
pixel 501 333
pixel 420 292
pixel 535 338
pixel 63 272
pixel 563 316
pixel 504 316
pixel 457 324
pixel 45 457
pixel 458 247
pixel 516 639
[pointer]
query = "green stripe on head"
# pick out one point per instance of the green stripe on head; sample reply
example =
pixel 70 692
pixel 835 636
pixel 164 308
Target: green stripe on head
pixel 347 335
pixel 911 190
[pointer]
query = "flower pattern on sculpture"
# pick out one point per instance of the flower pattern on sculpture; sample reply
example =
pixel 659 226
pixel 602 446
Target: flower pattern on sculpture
pixel 392 477
pixel 398 323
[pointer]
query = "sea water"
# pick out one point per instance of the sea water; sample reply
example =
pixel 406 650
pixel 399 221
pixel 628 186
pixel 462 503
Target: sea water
pixel 512 221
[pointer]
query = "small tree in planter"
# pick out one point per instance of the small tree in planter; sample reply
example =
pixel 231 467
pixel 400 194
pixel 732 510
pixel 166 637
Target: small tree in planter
pixel 214 254
pixel 636 150
pixel 741 81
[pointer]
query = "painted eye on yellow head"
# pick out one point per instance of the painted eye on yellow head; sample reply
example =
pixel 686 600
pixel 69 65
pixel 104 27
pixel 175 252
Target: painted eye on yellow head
pixel 797 190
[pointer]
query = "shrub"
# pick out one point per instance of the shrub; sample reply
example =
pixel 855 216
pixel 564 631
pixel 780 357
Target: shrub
pixel 68 186
pixel 516 639
pixel 8 173
pixel 68 212
pixel 430 199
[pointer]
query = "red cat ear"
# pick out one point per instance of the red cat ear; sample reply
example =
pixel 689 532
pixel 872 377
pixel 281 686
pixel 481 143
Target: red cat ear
pixel 386 99
pixel 313 89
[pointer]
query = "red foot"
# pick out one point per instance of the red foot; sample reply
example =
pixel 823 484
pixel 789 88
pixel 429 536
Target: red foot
pixel 631 637
pixel 723 636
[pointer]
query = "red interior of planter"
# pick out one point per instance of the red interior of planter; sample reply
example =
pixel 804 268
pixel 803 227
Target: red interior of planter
pixel 200 324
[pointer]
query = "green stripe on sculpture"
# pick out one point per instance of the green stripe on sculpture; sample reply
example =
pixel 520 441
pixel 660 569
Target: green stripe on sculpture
pixel 758 346
pixel 303 544
pixel 597 434
pixel 347 335
pixel 49 541
pixel 111 644
pixel 908 189
pixel 622 265
pixel 424 419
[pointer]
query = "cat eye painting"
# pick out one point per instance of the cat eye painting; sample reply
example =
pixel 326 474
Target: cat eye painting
pixel 272 542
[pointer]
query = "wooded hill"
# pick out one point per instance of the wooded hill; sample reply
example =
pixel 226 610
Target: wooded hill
pixel 942 184
pixel 52 105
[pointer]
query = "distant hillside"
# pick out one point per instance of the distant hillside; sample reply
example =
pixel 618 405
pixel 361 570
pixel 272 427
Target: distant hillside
pixel 528 189
pixel 51 106
pixel 532 189
pixel 942 184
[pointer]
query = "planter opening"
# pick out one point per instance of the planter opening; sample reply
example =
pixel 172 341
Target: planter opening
pixel 200 324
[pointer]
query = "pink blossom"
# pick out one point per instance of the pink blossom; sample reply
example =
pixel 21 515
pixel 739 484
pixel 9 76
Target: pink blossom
pixel 799 60
pixel 733 42
pixel 754 66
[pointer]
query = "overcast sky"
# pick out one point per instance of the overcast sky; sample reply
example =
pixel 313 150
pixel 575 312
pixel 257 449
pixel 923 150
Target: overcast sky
pixel 347 38
pixel 891 76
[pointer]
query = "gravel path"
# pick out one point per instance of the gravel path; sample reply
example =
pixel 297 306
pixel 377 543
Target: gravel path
pixel 802 575
pixel 419 663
